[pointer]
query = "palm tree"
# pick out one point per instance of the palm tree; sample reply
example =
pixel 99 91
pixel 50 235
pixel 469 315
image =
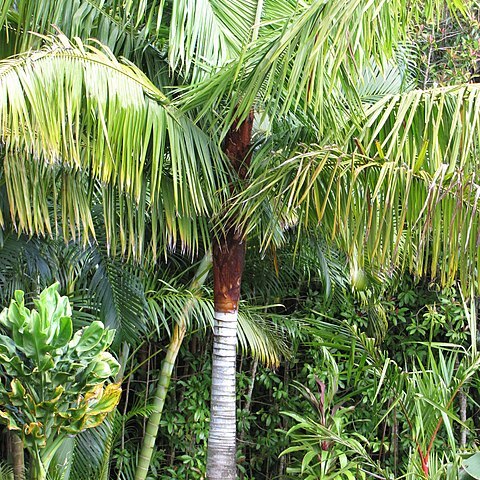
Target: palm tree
pixel 282 137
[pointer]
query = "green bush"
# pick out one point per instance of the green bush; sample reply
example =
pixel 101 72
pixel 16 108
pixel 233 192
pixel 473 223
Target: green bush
pixel 53 385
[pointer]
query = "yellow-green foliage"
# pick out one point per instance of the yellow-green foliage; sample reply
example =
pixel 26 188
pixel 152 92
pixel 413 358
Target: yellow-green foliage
pixel 52 384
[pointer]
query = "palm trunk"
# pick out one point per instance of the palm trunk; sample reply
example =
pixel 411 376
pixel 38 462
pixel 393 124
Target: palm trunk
pixel 166 374
pixel 222 437
pixel 228 258
pixel 228 262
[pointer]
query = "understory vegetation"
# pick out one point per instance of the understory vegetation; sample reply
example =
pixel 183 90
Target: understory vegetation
pixel 370 382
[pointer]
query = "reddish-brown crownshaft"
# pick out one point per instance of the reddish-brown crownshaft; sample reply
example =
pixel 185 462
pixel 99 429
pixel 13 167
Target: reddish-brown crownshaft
pixel 229 249
pixel 228 261
pixel 237 145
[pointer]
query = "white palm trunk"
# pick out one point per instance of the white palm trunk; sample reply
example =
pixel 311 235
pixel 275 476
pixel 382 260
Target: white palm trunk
pixel 222 438
pixel 228 262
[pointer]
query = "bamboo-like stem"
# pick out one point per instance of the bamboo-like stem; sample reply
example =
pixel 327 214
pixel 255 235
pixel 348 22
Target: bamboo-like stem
pixel 395 441
pixel 160 395
pixel 462 400
pixel 248 400
pixel 248 403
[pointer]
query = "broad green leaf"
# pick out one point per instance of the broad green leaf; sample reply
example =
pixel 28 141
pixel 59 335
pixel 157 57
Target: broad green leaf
pixel 88 338
pixel 472 466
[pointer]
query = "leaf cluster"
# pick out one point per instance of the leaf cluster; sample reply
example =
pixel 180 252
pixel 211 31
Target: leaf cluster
pixel 53 383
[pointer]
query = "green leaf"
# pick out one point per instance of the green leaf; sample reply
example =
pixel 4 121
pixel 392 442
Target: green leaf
pixel 309 456
pixel 18 390
pixel 7 348
pixel 88 338
pixel 472 466
pixel 64 332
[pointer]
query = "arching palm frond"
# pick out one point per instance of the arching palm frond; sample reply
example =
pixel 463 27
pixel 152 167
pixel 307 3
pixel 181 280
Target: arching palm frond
pixel 258 333
pixel 396 195
pixel 25 264
pixel 91 453
pixel 117 289
pixel 394 78
pixel 206 34
pixel 122 26
pixel 424 146
pixel 169 302
pixel 308 177
pixel 132 30
pixel 76 105
pixel 305 261
pixel 308 58
pixel 201 37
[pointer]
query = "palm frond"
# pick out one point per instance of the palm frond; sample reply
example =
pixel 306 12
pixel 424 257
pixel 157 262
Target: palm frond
pixel 305 261
pixel 118 290
pixel 308 178
pixel 394 78
pixel 169 302
pixel 91 452
pixel 132 30
pixel 257 332
pixel 424 169
pixel 409 193
pixel 77 106
pixel 260 334
pixel 124 26
pixel 6 471
pixel 206 34
pixel 27 265
pixel 308 59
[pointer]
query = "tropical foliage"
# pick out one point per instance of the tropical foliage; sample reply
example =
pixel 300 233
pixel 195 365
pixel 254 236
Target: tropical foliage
pixel 145 135
pixel 57 382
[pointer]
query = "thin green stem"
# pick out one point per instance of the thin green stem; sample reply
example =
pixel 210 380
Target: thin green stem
pixel 166 374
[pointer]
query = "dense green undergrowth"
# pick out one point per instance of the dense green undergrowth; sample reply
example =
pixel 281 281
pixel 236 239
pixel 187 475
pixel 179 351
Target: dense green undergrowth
pixel 345 404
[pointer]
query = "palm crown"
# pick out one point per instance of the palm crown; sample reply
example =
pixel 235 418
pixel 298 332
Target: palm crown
pixel 295 64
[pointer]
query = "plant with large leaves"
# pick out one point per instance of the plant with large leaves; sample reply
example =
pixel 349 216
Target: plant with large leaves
pixel 385 179
pixel 33 264
pixel 57 382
